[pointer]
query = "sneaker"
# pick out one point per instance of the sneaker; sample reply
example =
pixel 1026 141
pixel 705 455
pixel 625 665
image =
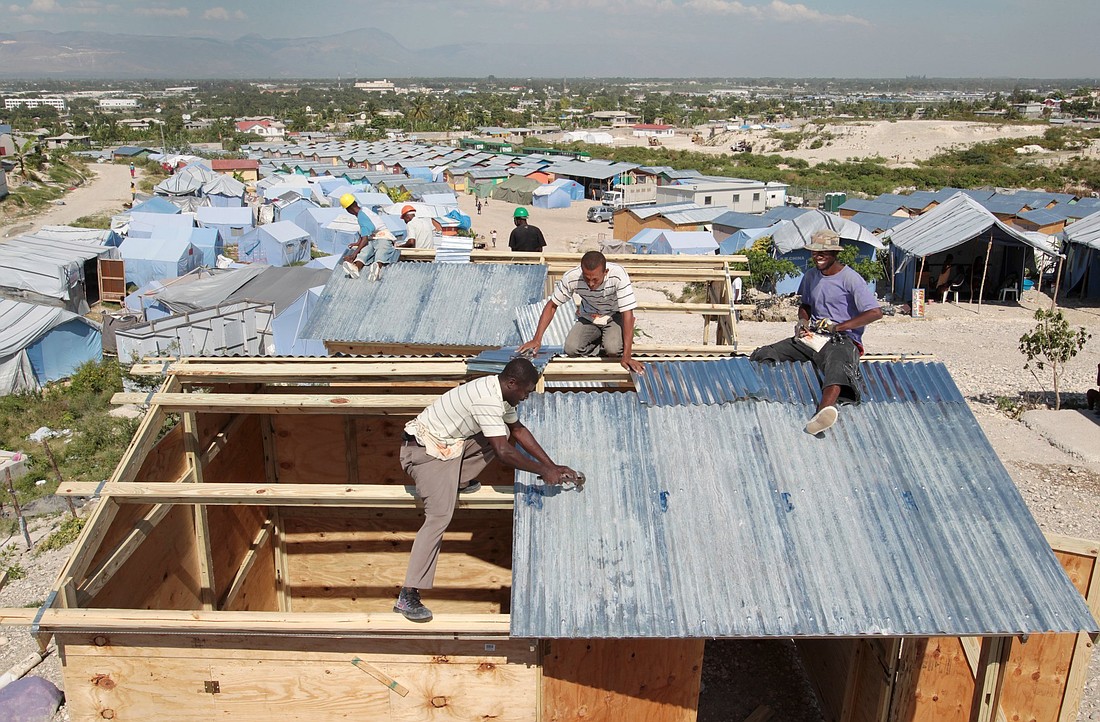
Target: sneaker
pixel 470 488
pixel 408 605
pixel 822 420
pixel 375 272
pixel 351 268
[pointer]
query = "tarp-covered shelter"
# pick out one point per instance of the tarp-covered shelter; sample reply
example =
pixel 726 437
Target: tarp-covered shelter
pixel 209 244
pixel 286 328
pixel 63 273
pixel 224 191
pixel 156 204
pixel 1082 249
pixel 742 239
pixel 230 223
pixel 643 239
pixel 691 243
pixel 982 246
pixel 289 207
pixel 39 344
pixel 206 291
pixel 516 189
pixel 548 196
pixel 76 234
pixel 313 222
pixel 180 184
pixel 158 257
pixel 145 225
pixel 279 244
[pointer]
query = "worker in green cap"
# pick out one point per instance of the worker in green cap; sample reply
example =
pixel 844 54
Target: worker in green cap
pixel 524 236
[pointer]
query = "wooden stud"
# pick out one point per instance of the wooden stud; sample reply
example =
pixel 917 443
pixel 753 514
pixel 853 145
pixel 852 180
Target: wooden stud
pixel 285 403
pixel 992 665
pixel 206 557
pixel 114 561
pixel 241 576
pixel 282 563
pixel 95 529
pixel 191 446
pixel 381 676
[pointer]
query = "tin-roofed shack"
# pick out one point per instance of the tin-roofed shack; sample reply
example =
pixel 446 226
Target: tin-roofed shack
pixel 245 564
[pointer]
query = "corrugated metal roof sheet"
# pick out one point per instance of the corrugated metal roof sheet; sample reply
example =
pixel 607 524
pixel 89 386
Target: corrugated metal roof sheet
pixel 432 304
pixel 527 320
pixel 493 360
pixel 1041 217
pixel 730 521
pixel 720 381
pixel 1085 231
pixel 875 222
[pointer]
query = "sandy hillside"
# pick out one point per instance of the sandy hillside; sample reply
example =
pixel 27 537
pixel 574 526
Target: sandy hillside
pixel 106 190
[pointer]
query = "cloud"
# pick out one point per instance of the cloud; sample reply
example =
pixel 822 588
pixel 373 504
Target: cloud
pixel 220 13
pixel 162 12
pixel 776 10
pixel 35 7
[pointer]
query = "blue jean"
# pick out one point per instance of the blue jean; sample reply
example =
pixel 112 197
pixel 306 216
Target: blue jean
pixel 381 250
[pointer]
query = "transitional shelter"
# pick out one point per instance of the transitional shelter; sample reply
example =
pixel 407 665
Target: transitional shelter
pixel 278 244
pixel 48 270
pixel 40 344
pixel 1082 247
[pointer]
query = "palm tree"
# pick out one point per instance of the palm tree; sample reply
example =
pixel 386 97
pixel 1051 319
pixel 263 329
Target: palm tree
pixel 420 109
pixel 23 153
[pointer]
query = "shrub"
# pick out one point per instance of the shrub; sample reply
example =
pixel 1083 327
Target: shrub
pixel 62 537
pixel 1051 344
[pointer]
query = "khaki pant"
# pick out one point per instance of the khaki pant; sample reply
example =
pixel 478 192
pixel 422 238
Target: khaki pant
pixel 437 484
pixel 588 339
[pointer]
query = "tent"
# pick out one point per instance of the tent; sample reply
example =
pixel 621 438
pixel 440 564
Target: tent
pixel 313 222
pixel 446 201
pixel 1083 256
pixel 75 234
pixel 230 223
pixel 224 191
pixel 688 243
pixel 39 344
pixel 548 196
pixel 156 204
pixel 572 187
pixel 279 244
pixel 984 246
pixel 180 184
pixel 159 257
pixel 287 209
pixel 52 271
pixel 742 239
pixel 144 225
pixel 327 262
pixel 369 200
pixel 209 244
pixel 643 239
pixel 516 189
pixel 287 327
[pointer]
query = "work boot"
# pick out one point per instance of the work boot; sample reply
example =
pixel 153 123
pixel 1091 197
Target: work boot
pixel 408 604
pixel 351 268
pixel 470 488
pixel 822 420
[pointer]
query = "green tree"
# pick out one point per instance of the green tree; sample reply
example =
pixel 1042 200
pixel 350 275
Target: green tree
pixel 1050 345
pixel 765 271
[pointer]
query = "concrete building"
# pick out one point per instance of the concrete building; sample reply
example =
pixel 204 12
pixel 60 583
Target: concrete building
pixel 58 103
pixel 376 86
pixel 66 140
pixel 263 128
pixel 615 118
pixel 647 130
pixel 118 103
pixel 247 168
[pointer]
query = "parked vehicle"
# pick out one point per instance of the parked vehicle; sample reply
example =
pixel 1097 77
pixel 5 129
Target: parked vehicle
pixel 633 195
pixel 600 214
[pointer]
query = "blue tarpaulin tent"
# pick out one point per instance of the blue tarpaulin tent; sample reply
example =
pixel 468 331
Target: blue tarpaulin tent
pixel 644 238
pixel 158 257
pixel 39 344
pixel 572 187
pixel 691 243
pixel 548 196
pixel 286 328
pixel 230 223
pixel 156 204
pixel 313 222
pixel 209 244
pixel 743 239
pixel 145 225
pixel 279 244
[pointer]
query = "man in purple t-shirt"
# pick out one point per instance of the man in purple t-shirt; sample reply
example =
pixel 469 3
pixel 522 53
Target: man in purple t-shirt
pixel 836 305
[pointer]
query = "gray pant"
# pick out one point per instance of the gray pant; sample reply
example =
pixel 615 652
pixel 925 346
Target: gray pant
pixel 837 362
pixel 437 484
pixel 587 339
pixel 381 250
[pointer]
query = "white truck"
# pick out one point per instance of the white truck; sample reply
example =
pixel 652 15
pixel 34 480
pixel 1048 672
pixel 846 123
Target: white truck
pixel 639 194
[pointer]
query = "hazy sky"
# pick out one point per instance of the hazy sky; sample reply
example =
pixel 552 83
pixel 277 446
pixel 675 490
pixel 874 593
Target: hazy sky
pixel 844 38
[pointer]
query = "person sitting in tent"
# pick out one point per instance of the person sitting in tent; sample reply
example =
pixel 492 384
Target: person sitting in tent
pixel 947 275
pixel 836 305
pixel 605 319
pixel 374 247
pixel 524 236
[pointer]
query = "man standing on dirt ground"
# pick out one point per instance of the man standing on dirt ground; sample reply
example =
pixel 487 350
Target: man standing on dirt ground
pixel 448 444
pixel 374 247
pixel 493 238
pixel 525 237
pixel 605 319
pixel 132 169
pixel 836 305
pixel 479 206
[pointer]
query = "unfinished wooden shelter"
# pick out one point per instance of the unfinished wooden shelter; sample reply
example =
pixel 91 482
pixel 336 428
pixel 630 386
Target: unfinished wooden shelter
pixel 244 564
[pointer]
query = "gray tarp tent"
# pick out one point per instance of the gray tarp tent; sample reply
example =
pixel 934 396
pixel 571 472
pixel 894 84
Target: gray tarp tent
pixel 956 221
pixel 1083 256
pixel 795 234
pixel 53 271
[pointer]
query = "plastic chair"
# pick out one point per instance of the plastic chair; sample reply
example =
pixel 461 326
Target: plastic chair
pixel 1014 290
pixel 953 289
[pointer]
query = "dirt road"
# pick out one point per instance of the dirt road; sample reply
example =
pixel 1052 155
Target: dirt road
pixel 107 191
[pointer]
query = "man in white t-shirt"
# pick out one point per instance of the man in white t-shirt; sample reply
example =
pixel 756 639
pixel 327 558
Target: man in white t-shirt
pixel 448 444
pixel 605 318
pixel 421 231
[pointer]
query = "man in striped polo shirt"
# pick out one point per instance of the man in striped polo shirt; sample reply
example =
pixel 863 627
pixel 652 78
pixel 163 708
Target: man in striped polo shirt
pixel 448 444
pixel 605 318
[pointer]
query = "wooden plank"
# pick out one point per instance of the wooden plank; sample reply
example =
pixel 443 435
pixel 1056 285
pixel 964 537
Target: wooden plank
pixel 707 309
pixel 763 713
pixel 191 446
pixel 207 590
pixel 95 530
pixel 642 680
pixel 389 682
pixel 163 621
pixel 339 495
pixel 304 682
pixel 146 437
pixel 351 444
pixel 117 558
pixel 282 403
pixel 282 565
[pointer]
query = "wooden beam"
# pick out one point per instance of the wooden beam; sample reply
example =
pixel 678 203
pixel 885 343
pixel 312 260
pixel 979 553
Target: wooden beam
pixel 191 446
pixel 282 562
pixel 333 495
pixel 383 405
pixel 247 563
pixel 372 624
pixel 146 437
pixel 125 549
pixel 206 557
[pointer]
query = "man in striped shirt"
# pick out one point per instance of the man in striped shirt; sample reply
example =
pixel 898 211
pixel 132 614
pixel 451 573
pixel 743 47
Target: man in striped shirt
pixel 448 444
pixel 605 318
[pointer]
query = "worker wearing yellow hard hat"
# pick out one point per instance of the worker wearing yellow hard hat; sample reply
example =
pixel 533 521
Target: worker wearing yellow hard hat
pixel 375 245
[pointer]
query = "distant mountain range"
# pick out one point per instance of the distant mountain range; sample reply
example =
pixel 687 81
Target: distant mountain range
pixel 364 53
